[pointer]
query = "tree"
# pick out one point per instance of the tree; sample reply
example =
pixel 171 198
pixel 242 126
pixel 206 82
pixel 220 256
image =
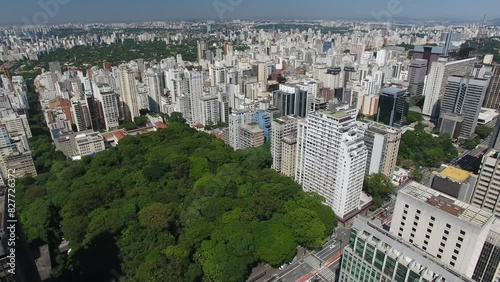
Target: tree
pixel 483 131
pixel 414 117
pixel 177 117
pixel 470 144
pixel 378 186
pixel 274 243
pixel 141 121
pixel 157 216
pixel 416 175
pixel 308 229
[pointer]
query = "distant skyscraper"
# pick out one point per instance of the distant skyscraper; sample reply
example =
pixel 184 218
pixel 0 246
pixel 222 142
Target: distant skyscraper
pixel 416 74
pixel 193 91
pixel 451 231
pixel 331 159
pixel 464 96
pixel 436 82
pixel 392 106
pixel 128 88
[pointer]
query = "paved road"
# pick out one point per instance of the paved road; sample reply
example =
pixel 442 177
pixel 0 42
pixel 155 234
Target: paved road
pixel 323 263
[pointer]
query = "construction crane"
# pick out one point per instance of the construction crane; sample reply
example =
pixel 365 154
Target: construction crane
pixel 480 35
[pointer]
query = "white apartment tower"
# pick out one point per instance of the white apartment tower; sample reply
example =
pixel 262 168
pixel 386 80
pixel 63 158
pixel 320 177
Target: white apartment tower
pixel 331 158
pixel 451 231
pixel 129 95
pixel 192 91
pixel 156 88
pixel 237 119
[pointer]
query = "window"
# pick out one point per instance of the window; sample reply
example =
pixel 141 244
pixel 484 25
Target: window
pixel 405 212
pixel 426 242
pixel 442 245
pixel 448 226
pixel 427 236
pixel 433 218
pixel 462 232
pixel 414 229
pixel 401 229
pixel 431 224
pixel 411 241
pixel 447 232
pixel 460 239
pixel 439 256
pixel 412 235
pixel 416 217
pixel 424 248
pixel 428 230
pixel 418 211
pixel 458 245
pixel 440 250
pixel 402 223
pixel 444 238
pixel 400 235
pixel 452 263
pixel 404 217
pixel 455 251
pixel 407 206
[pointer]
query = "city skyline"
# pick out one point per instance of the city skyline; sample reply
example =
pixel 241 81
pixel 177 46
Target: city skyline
pixel 67 11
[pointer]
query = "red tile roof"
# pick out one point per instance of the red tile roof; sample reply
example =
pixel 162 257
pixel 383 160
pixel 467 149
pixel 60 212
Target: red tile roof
pixel 160 124
pixel 119 135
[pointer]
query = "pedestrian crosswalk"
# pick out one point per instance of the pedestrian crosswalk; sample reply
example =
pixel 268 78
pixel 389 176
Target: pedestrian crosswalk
pixel 313 262
pixel 327 274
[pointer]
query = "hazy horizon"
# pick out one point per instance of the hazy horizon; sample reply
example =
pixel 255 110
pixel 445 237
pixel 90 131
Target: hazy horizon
pixel 74 11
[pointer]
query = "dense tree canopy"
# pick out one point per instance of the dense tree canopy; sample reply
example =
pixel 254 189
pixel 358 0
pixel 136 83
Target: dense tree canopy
pixel 378 186
pixel 419 148
pixel 174 205
pixel 483 131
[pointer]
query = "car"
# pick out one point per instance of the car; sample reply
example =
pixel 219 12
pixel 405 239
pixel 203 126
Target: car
pixel 282 267
pixel 332 246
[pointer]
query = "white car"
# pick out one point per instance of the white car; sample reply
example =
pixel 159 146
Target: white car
pixel 282 267
pixel 332 246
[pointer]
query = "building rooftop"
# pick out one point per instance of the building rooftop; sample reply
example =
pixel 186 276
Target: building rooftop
pixel 447 204
pixel 252 127
pixel 394 91
pixel 455 174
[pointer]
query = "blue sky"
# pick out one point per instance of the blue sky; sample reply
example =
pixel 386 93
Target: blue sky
pixel 138 10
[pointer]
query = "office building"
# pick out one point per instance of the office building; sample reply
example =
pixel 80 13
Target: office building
pixel 450 230
pixel 374 254
pixel 488 265
pixel 280 150
pixel 192 91
pixel 487 190
pixel 20 162
pixel 291 100
pixel 263 119
pixel 451 124
pixel 436 82
pixel 382 142
pixel 331 159
pixel 454 182
pixel 495 137
pixel 492 100
pixel 129 95
pixel 16 124
pixel 464 96
pixel 416 77
pixel 392 106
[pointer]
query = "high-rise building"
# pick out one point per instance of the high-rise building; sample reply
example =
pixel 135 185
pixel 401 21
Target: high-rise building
pixel 436 82
pixel 382 142
pixel 209 110
pixel 291 100
pixel 156 88
pixel 392 106
pixel 128 88
pixel 416 77
pixel 464 96
pixel 251 136
pixel 454 182
pixel 192 91
pixel 236 120
pixel 488 265
pixel 331 159
pixel 492 100
pixel 451 231
pixel 283 127
pixel 429 53
pixel 109 102
pixel 486 193
pixel 373 254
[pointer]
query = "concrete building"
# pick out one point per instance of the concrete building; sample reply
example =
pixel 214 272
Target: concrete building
pixel 210 110
pixel 451 231
pixel 280 150
pixel 331 159
pixel 437 81
pixel 20 162
pixel 454 182
pixel 110 106
pixel 129 95
pixel 251 136
pixel 374 254
pixel 492 100
pixel 487 190
pixel 88 143
pixel 16 124
pixel 382 143
pixel 156 88
pixel 233 134
pixel 488 266
pixel 464 96
pixel 451 124
pixel 416 77
pixel 392 106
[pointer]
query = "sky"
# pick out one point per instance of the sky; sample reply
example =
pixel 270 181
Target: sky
pixel 64 11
